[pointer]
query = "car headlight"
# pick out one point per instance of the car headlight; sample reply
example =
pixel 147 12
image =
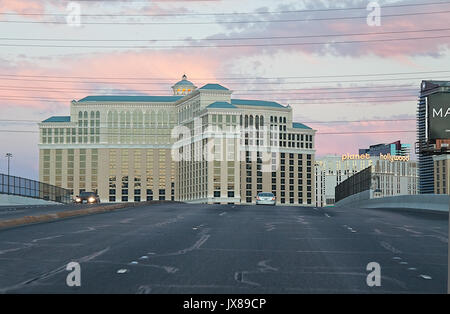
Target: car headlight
pixel 91 199
pixel 78 199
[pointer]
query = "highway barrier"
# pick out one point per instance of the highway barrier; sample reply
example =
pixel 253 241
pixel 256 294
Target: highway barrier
pixel 72 213
pixel 433 202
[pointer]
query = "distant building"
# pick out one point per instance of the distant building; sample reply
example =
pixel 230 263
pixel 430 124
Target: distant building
pixel 394 177
pixel 383 178
pixel 441 174
pixel 332 170
pixel 395 149
pixel 432 132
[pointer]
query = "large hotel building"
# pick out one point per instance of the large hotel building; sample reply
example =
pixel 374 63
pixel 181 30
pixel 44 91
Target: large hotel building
pixel 198 145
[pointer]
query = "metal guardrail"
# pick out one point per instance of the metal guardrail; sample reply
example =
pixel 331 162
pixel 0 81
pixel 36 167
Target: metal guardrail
pixel 19 186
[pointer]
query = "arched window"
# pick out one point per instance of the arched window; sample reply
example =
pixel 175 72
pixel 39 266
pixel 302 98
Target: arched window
pixel 261 121
pixel 85 115
pixel 257 122
pixel 110 119
pixel 116 119
pixel 251 120
pixel 246 121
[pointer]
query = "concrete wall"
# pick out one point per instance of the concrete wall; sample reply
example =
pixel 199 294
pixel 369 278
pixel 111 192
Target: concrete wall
pixel 21 200
pixel 437 202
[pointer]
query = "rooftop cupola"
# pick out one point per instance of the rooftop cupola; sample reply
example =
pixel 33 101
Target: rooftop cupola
pixel 183 87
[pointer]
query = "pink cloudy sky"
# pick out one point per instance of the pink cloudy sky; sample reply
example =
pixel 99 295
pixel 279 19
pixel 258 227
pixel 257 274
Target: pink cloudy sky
pixel 329 65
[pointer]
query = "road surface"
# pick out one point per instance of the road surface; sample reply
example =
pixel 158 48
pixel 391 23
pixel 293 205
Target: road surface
pixel 179 248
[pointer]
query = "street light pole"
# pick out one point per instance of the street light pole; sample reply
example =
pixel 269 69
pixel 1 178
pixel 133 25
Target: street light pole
pixel 8 155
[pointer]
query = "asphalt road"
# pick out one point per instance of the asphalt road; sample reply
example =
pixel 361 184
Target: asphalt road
pixel 178 248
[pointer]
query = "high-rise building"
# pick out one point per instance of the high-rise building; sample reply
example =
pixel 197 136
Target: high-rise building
pixel 432 129
pixel 199 145
pixel 394 149
pixel 442 174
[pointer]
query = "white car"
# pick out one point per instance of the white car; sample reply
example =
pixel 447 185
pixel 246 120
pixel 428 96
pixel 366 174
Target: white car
pixel 265 198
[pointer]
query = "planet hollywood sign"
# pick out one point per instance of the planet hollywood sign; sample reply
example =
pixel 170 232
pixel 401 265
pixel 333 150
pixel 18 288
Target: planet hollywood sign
pixel 389 157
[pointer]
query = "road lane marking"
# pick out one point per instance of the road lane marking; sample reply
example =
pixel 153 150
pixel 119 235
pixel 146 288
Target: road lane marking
pixel 390 248
pixel 426 277
pixel 47 238
pixel 122 271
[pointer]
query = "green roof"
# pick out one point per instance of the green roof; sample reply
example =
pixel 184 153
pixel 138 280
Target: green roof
pixel 131 98
pixel 297 125
pixel 261 103
pixel 58 119
pixel 221 104
pixel 184 83
pixel 214 87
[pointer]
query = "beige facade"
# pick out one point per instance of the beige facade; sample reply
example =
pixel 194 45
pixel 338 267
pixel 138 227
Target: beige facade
pixel 441 174
pixel 199 145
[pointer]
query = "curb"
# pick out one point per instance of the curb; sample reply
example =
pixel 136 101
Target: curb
pixel 73 213
pixel 62 215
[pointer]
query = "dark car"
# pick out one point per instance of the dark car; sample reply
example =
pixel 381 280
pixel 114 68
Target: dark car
pixel 87 197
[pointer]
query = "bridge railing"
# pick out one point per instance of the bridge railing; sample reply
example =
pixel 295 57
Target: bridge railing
pixel 19 186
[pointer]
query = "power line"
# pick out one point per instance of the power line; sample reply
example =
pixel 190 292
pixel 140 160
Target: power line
pixel 227 46
pixel 309 122
pixel 366 132
pixel 230 22
pixel 279 99
pixel 276 83
pixel 229 78
pixel 119 93
pixel 230 13
pixel 133 134
pixel 290 103
pixel 224 39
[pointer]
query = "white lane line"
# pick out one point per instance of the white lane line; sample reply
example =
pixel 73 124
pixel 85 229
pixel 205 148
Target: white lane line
pixel 412 268
pixel 222 214
pixel 143 257
pixel 134 263
pixel 425 277
pixel 122 271
pixel 47 238
pixel 328 216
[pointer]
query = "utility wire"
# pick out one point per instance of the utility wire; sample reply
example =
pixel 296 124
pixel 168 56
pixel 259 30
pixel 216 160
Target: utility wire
pixel 131 133
pixel 227 78
pixel 228 46
pixel 223 39
pixel 230 22
pixel 275 83
pixel 229 13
